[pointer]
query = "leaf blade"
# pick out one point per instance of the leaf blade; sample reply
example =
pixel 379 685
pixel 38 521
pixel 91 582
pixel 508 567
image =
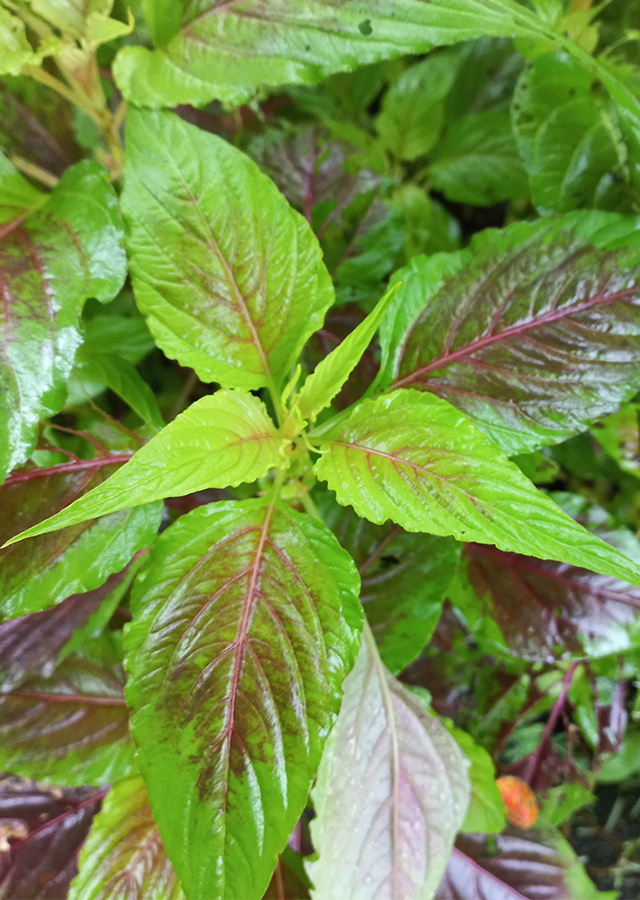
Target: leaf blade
pixel 244 285
pixel 411 457
pixel 229 707
pixel 393 840
pixel 217 456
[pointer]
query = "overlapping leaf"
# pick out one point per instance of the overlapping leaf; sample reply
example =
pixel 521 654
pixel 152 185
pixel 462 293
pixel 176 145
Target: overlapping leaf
pixel 52 259
pixel 45 829
pixel 124 849
pixel 516 866
pixel 245 623
pixel 230 278
pixel 413 458
pixel 71 727
pixel 543 611
pixel 30 645
pixel 71 561
pixel 226 52
pixel 534 334
pixel 392 838
pixel 404 581
pixel 570 139
pixel 220 441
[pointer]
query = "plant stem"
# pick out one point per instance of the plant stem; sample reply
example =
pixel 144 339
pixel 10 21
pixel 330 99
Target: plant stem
pixel 534 764
pixel 34 171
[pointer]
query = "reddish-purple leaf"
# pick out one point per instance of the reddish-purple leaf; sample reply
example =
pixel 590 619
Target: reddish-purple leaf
pixel 71 727
pixel 75 559
pixel 534 333
pixel 30 645
pixel 543 610
pixel 48 828
pixel 516 865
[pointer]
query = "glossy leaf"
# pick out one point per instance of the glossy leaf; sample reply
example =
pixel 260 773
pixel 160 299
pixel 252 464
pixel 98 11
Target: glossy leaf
pixel 71 561
pixel 45 828
pixel 16 53
pixel 534 333
pixel 414 459
pixel 230 278
pixel 17 196
pixel 71 727
pixel 516 866
pixel 52 260
pixel 544 611
pixel 478 162
pixel 570 139
pixel 205 52
pixel 394 838
pixel 245 623
pixel 219 441
pixel 332 372
pixel 31 644
pixel 125 850
pixel 404 580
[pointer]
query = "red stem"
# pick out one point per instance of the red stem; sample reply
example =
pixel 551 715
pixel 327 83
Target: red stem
pixel 96 463
pixel 556 712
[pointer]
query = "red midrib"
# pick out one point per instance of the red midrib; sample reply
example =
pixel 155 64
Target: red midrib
pixel 444 360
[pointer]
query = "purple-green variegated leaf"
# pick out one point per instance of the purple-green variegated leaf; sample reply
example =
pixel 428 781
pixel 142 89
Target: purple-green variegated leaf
pixel 75 559
pixel 413 458
pixel 54 255
pixel 534 331
pixel 124 851
pixel 246 621
pixel 229 277
pixel 543 610
pixel 71 727
pixel 391 793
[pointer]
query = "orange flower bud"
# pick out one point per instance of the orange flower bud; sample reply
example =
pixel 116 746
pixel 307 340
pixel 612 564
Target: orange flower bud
pixel 519 800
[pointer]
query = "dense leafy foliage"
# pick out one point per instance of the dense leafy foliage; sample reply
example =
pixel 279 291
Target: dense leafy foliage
pixel 319 447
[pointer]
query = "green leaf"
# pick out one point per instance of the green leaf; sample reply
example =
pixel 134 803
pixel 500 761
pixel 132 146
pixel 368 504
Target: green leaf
pixel 124 380
pixel 486 811
pixel 15 50
pixel 69 249
pixel 533 332
pixel 72 727
pixel 230 278
pixel 404 577
pixel 393 838
pixel 17 196
pixel 619 436
pixel 332 372
pixel 124 849
pixel 245 623
pixel 570 138
pixel 40 574
pixel 563 800
pixel 412 115
pixel 478 162
pixel 413 458
pixel 208 51
pixel 220 441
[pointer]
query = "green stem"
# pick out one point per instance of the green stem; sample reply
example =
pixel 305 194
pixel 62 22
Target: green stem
pixel 34 171
pixel 61 88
